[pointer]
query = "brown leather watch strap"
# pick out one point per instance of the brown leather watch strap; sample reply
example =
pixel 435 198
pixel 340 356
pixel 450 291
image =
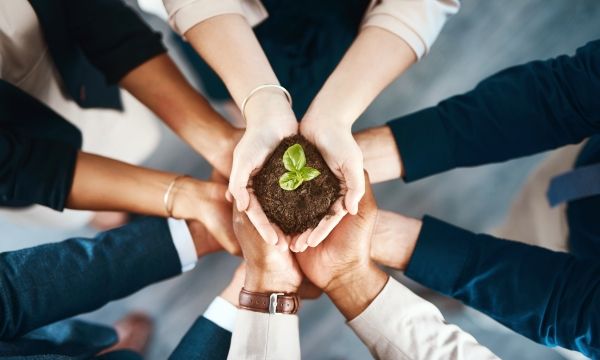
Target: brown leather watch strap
pixel 273 303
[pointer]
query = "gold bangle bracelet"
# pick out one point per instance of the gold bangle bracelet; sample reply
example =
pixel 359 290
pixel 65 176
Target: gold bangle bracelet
pixel 168 192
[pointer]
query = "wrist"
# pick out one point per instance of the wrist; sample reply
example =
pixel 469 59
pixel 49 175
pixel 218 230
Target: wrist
pixel 269 281
pixel 394 239
pixel 354 291
pixel 380 153
pixel 267 105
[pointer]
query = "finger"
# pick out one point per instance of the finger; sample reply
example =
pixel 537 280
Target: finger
pixel 327 224
pixel 260 221
pixel 238 183
pixel 300 243
pixel 283 240
pixel 355 183
pixel 228 196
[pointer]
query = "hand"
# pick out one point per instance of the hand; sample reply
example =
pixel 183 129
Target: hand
pixel 394 239
pixel 268 268
pixel 266 127
pixel 344 158
pixel 204 202
pixel 341 266
pixel 232 292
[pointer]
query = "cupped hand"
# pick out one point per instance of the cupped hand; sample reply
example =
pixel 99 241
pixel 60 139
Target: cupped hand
pixel 344 157
pixel 346 250
pixel 203 201
pixel 257 143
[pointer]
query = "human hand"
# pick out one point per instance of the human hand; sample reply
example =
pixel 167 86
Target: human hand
pixel 394 239
pixel 203 202
pixel 267 125
pixel 341 266
pixel 344 158
pixel 268 268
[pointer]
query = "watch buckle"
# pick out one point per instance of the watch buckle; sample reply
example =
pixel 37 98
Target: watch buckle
pixel 273 302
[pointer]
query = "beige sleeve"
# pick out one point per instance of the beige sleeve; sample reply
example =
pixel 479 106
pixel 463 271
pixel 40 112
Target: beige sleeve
pixel 184 14
pixel 260 336
pixel 400 325
pixel 418 22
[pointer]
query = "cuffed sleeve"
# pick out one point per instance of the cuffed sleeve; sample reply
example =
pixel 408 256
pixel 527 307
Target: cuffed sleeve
pixel 400 325
pixel 418 22
pixel 113 37
pixel 35 171
pixel 550 297
pixel 185 14
pixel 261 336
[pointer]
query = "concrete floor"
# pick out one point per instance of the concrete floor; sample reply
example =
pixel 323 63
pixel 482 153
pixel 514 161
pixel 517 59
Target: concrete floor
pixel 486 36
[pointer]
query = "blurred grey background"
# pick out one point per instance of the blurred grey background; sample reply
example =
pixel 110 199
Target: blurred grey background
pixel 483 38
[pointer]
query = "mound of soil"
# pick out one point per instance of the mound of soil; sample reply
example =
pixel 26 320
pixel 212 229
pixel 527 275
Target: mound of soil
pixel 294 211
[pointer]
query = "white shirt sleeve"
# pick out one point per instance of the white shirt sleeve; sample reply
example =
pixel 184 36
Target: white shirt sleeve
pixel 401 325
pixel 418 22
pixel 184 244
pixel 261 336
pixel 222 313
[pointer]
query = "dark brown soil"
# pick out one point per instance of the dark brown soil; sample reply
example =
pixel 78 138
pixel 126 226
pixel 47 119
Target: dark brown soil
pixel 300 209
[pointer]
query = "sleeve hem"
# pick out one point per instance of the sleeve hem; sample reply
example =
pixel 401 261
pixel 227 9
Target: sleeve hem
pixel 399 28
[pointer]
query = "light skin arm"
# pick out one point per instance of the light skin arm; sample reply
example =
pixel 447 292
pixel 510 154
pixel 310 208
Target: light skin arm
pixel 381 156
pixel 160 86
pixel 373 61
pixel 227 43
pixel 101 183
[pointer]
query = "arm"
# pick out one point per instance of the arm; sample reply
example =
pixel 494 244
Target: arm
pixel 552 298
pixel 391 321
pixel 394 35
pixel 520 111
pixel 269 269
pixel 47 283
pixel 101 183
pixel 128 52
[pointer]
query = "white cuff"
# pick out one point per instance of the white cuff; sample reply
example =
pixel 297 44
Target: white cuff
pixel 222 313
pixel 184 244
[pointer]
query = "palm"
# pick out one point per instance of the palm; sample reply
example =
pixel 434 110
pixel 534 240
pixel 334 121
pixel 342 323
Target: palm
pixel 347 246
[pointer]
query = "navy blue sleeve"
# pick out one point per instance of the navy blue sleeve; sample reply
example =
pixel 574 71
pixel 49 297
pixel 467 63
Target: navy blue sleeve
pixel 520 111
pixel 113 37
pixel 47 283
pixel 204 341
pixel 550 297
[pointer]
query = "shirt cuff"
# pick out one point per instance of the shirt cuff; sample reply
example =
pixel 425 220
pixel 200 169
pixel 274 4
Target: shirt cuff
pixel 185 15
pixel 184 244
pixel 222 313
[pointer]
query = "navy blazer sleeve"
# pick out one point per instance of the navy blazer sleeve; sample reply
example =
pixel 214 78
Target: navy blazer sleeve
pixel 550 297
pixel 112 36
pixel 520 111
pixel 47 283
pixel 204 341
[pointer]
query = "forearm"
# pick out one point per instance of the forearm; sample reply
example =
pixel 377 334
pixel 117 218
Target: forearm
pixel 556 307
pixel 373 61
pixel 47 283
pixel 160 86
pixel 101 183
pixel 520 111
pixel 228 44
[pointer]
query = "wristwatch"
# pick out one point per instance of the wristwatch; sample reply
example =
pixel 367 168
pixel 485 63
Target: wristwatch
pixel 272 303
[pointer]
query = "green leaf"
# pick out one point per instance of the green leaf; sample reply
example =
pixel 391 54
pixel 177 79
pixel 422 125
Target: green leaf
pixel 294 158
pixel 290 181
pixel 309 173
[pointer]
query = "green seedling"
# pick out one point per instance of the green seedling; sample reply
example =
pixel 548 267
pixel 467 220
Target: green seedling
pixel 294 161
